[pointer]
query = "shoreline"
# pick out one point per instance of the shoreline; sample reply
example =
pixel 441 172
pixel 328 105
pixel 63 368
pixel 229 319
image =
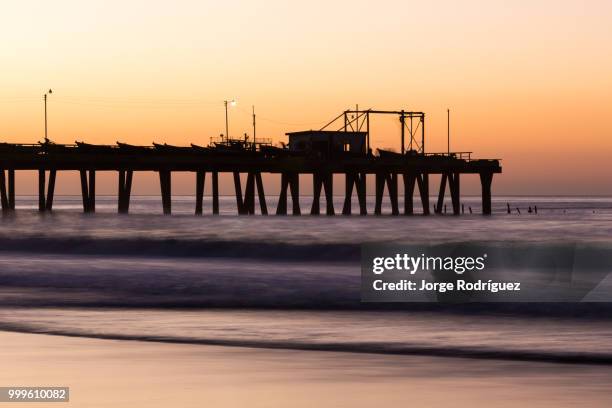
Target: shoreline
pixel 123 373
pixel 511 356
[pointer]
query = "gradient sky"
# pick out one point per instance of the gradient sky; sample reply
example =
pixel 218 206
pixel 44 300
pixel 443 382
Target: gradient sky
pixel 529 82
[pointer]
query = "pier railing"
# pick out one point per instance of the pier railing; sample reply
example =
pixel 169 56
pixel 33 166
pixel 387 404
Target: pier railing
pixel 455 155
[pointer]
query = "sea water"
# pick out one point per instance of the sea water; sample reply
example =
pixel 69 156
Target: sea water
pixel 283 282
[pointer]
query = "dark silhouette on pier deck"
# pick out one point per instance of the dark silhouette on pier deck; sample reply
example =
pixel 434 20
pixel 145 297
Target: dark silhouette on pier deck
pixel 321 153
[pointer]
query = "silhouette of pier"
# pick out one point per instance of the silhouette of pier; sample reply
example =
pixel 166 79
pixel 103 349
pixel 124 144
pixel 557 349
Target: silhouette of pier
pixel 320 153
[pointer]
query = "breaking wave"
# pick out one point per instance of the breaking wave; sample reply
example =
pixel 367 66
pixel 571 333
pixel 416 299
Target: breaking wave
pixel 355 346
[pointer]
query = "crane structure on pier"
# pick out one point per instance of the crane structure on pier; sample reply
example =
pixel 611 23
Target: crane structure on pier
pixel 412 124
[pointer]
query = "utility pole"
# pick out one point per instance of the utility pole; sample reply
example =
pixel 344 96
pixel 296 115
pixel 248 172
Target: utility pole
pixel 226 123
pixel 368 130
pixel 254 128
pixel 448 130
pixel 45 99
pixel 403 135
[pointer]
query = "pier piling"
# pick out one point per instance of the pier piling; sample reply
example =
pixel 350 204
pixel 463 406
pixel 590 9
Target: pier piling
pixel 294 187
pixel 165 178
pixel 125 188
pixel 249 194
pixel 50 191
pixel 423 183
pixel 238 189
pixel 486 177
pixel 350 180
pixel 389 179
pixel 322 181
pixel 316 194
pixel 281 208
pixel 291 182
pixel 45 191
pixel 348 195
pixel 328 185
pixel 380 189
pixel 215 193
pixel 88 190
pixel 254 182
pixel 454 185
pixel 41 190
pixel 409 182
pixel 360 184
pixel 200 178
pixel 440 203
pixel 11 189
pixel 3 195
pixel 7 195
pixel 261 194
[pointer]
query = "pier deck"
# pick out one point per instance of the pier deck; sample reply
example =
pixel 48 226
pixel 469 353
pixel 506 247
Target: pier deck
pixel 414 171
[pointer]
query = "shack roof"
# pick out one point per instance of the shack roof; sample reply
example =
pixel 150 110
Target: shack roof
pixel 325 133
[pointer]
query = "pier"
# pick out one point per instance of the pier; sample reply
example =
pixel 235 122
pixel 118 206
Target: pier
pixel 319 153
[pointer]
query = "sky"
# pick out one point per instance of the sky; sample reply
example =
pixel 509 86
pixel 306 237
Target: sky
pixel 528 82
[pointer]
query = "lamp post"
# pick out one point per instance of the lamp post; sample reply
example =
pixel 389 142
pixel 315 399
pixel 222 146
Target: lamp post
pixel 49 92
pixel 232 103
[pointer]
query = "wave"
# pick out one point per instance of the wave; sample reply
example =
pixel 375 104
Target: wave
pixel 347 249
pixel 186 248
pixel 562 357
pixel 160 273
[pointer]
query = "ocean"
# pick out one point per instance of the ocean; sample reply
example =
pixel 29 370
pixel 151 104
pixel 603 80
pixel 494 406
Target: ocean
pixel 285 282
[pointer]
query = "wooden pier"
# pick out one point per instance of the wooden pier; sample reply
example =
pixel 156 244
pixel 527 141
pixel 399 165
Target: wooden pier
pixel 413 168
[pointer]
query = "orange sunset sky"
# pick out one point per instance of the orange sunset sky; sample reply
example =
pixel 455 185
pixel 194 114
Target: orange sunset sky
pixel 529 82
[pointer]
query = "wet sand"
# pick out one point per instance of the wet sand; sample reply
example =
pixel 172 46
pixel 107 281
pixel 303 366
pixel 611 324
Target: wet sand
pixel 109 373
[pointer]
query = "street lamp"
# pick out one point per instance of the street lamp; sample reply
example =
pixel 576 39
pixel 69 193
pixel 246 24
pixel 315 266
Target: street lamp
pixel 49 92
pixel 232 103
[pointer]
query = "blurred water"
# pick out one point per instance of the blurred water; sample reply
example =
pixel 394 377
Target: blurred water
pixel 559 218
pixel 186 204
pixel 280 281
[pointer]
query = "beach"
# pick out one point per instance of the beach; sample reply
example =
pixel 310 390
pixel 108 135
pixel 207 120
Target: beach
pixel 105 373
